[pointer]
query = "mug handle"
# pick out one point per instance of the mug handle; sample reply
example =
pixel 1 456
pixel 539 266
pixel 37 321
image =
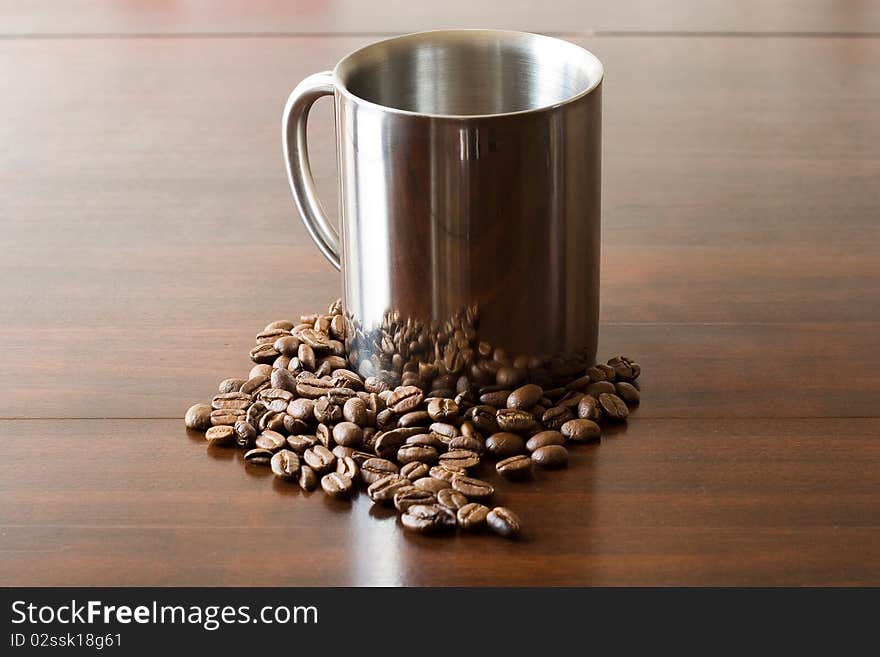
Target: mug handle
pixel 299 171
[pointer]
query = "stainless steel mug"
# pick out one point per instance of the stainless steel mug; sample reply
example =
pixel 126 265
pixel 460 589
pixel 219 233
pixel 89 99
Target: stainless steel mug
pixel 469 164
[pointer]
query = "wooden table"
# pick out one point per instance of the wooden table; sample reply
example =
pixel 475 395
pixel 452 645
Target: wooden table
pixel 148 233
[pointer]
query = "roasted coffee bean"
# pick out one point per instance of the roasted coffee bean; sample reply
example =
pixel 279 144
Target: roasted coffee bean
pixel 308 480
pixel 263 369
pixel 496 398
pixel 428 518
pixel 340 396
pixel 306 356
pixel 388 442
pixel 276 399
pixel 226 416
pixel 468 429
pixel 483 418
pixel 627 392
pixel 286 345
pixel 580 383
pixel 515 467
pixel 269 336
pixel 264 353
pixel 355 411
pixel 345 378
pixel 341 451
pixel 460 459
pixel 410 496
pixel 198 417
pixel 442 410
pixel 317 340
pixel 415 470
pixel 472 488
pixel 614 407
pixel 589 408
pixel 405 399
pixel 337 327
pixel 444 430
pixel 283 380
pixel 431 484
pixel 581 431
pixel 386 420
pixel 410 453
pixel 374 384
pixel 514 419
pixel 312 388
pixel 348 434
pixel 325 435
pixel 551 456
pixel 369 438
pixel 302 409
pixel 597 374
pixel 258 456
pixel 360 457
pixel 347 466
pixel 554 418
pixel 414 419
pixel 274 422
pixel 451 499
pixel 230 385
pixel 320 459
pixel 525 397
pixel 601 388
pixel 504 444
pixel 375 468
pixel 503 521
pixel 337 485
pixel 254 384
pixel 220 435
pixel 285 324
pixel 383 490
pixel 329 364
pixel 510 377
pixel 625 368
pixel 257 410
pixel 327 412
pixel 294 425
pixel 271 440
pixel 543 438
pixel 467 442
pixel 446 473
pixel 285 464
pixel 472 515
pixel 427 440
pixel 299 443
pixel 245 434
pixel 282 362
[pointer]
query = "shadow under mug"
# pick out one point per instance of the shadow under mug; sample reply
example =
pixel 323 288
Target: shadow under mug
pixel 469 167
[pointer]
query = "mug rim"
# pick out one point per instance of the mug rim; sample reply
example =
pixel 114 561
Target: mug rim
pixel 343 89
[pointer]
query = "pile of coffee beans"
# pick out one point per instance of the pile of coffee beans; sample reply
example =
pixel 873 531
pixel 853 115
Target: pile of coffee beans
pixel 411 436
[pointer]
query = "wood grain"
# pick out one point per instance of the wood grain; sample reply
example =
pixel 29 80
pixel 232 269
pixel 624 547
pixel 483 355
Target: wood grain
pixel 387 16
pixel 735 502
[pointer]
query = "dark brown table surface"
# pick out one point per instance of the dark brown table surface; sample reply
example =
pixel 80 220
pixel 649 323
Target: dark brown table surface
pixel 147 233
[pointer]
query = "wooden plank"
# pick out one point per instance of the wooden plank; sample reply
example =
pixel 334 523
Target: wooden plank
pixel 734 502
pixel 384 16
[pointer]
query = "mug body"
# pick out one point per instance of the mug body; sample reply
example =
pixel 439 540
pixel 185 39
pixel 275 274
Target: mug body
pixel 469 162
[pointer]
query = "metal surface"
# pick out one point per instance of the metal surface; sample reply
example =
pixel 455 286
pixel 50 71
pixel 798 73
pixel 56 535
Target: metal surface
pixel 470 202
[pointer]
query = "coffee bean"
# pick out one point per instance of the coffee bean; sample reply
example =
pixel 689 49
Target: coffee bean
pixel 285 464
pixel 337 485
pixel 383 490
pixel 341 451
pixel 546 438
pixel 431 484
pixel 589 408
pixel 312 388
pixel 293 425
pixel 451 499
pixel 302 409
pixel 581 431
pixel 442 410
pixel 580 383
pixel 220 435
pixel 299 443
pixel 554 418
pixel 428 518
pixel 348 434
pixel 355 411
pixel 525 397
pixel 504 444
pixel 388 442
pixel 198 417
pixel 226 416
pixel 263 369
pixel 472 515
pixel 414 419
pixel 283 380
pixel 254 384
pixel 308 480
pixel 496 398
pixel 503 521
pixel 513 419
pixel 627 392
pixel 327 412
pixel 614 407
pixel 375 468
pixel 258 456
pixel 445 473
pixel 287 345
pixel 306 356
pixel 510 377
pixel 460 459
pixel 427 440
pixel 483 418
pixel 347 466
pixel 444 430
pixel 472 488
pixel 317 340
pixel 264 353
pixel 245 434
pixel 339 396
pixel 324 435
pixel 410 496
pixel 230 385
pixel 410 453
pixel 255 413
pixel 600 388
pixel 625 368
pixel 467 442
pixel 551 456
pixel 276 399
pixel 274 422
pixel 405 399
pixel 271 440
pixel 515 467
pixel 415 470
pixel 270 335
pixel 320 459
